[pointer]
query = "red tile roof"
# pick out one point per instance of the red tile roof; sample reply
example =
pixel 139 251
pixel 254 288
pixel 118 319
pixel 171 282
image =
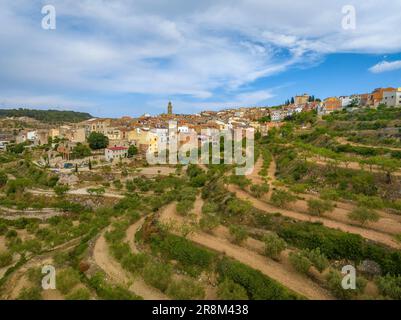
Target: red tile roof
pixel 117 148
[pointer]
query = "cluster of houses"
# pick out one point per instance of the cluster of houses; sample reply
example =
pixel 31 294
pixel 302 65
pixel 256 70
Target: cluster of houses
pixel 147 132
pixel 390 97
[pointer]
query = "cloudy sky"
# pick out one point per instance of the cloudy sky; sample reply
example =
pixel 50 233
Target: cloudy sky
pixel 123 57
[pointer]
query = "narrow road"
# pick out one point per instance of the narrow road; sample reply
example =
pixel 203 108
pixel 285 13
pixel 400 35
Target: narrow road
pixel 114 270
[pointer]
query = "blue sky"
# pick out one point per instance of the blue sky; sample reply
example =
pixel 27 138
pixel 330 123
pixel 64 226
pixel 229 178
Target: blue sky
pixel 123 57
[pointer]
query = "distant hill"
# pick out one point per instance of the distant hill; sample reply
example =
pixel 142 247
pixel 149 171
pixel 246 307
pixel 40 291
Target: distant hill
pixel 49 116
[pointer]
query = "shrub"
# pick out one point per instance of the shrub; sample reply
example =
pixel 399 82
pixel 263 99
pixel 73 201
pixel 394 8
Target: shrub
pixel 237 207
pixel 66 280
pixel 274 245
pixel 61 189
pixel 135 262
pixel 108 292
pixel 336 244
pixel 30 294
pixel 6 258
pixel 96 191
pixel 240 181
pixel 3 228
pixel 183 250
pixel 11 234
pixel 208 222
pixel 317 207
pixel 79 294
pixel 238 233
pixel 229 290
pixel 210 207
pixel 334 282
pixel 184 207
pixel 390 286
pixel 317 258
pixel 185 290
pixel 158 275
pixel 257 285
pixel 259 190
pixel 281 198
pixel 300 262
pixel 363 215
pixel 3 179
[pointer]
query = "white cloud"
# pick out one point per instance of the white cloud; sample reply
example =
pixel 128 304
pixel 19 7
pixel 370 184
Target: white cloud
pixel 197 49
pixel 385 66
pixel 55 102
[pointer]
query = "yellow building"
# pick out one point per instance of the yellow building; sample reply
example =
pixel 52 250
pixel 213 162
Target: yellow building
pixel 145 140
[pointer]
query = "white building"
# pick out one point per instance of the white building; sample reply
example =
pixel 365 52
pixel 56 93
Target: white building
pixel 183 129
pixel 31 135
pixel 392 98
pixel 112 153
pixel 277 115
pixel 345 101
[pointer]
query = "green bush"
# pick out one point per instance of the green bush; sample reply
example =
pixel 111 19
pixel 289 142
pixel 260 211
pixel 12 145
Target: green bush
pixel 318 207
pixel 135 262
pixel 317 258
pixel 66 280
pixel 258 190
pixel 209 222
pixel 3 228
pixel 30 294
pixel 364 215
pixel 390 286
pixel 185 290
pixel 238 233
pixel 229 290
pixel 237 207
pixel 257 285
pixel 158 275
pixel 185 207
pixel 240 181
pixel 274 245
pixel 334 282
pixel 79 294
pixel 183 250
pixel 300 262
pixel 61 189
pixel 108 292
pixel 281 198
pixel 6 258
pixel 3 179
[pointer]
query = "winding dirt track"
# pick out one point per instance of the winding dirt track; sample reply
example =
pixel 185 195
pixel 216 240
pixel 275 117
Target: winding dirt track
pixel 43 214
pixel 114 270
pixel 366 233
pixel 344 141
pixel 279 272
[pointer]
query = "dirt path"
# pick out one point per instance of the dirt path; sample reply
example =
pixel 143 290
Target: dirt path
pixel 288 277
pixel 368 234
pixel 130 234
pixel 351 165
pixel 254 175
pixel 80 192
pixel 114 270
pixel 44 214
pixel 342 140
pixel 388 223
